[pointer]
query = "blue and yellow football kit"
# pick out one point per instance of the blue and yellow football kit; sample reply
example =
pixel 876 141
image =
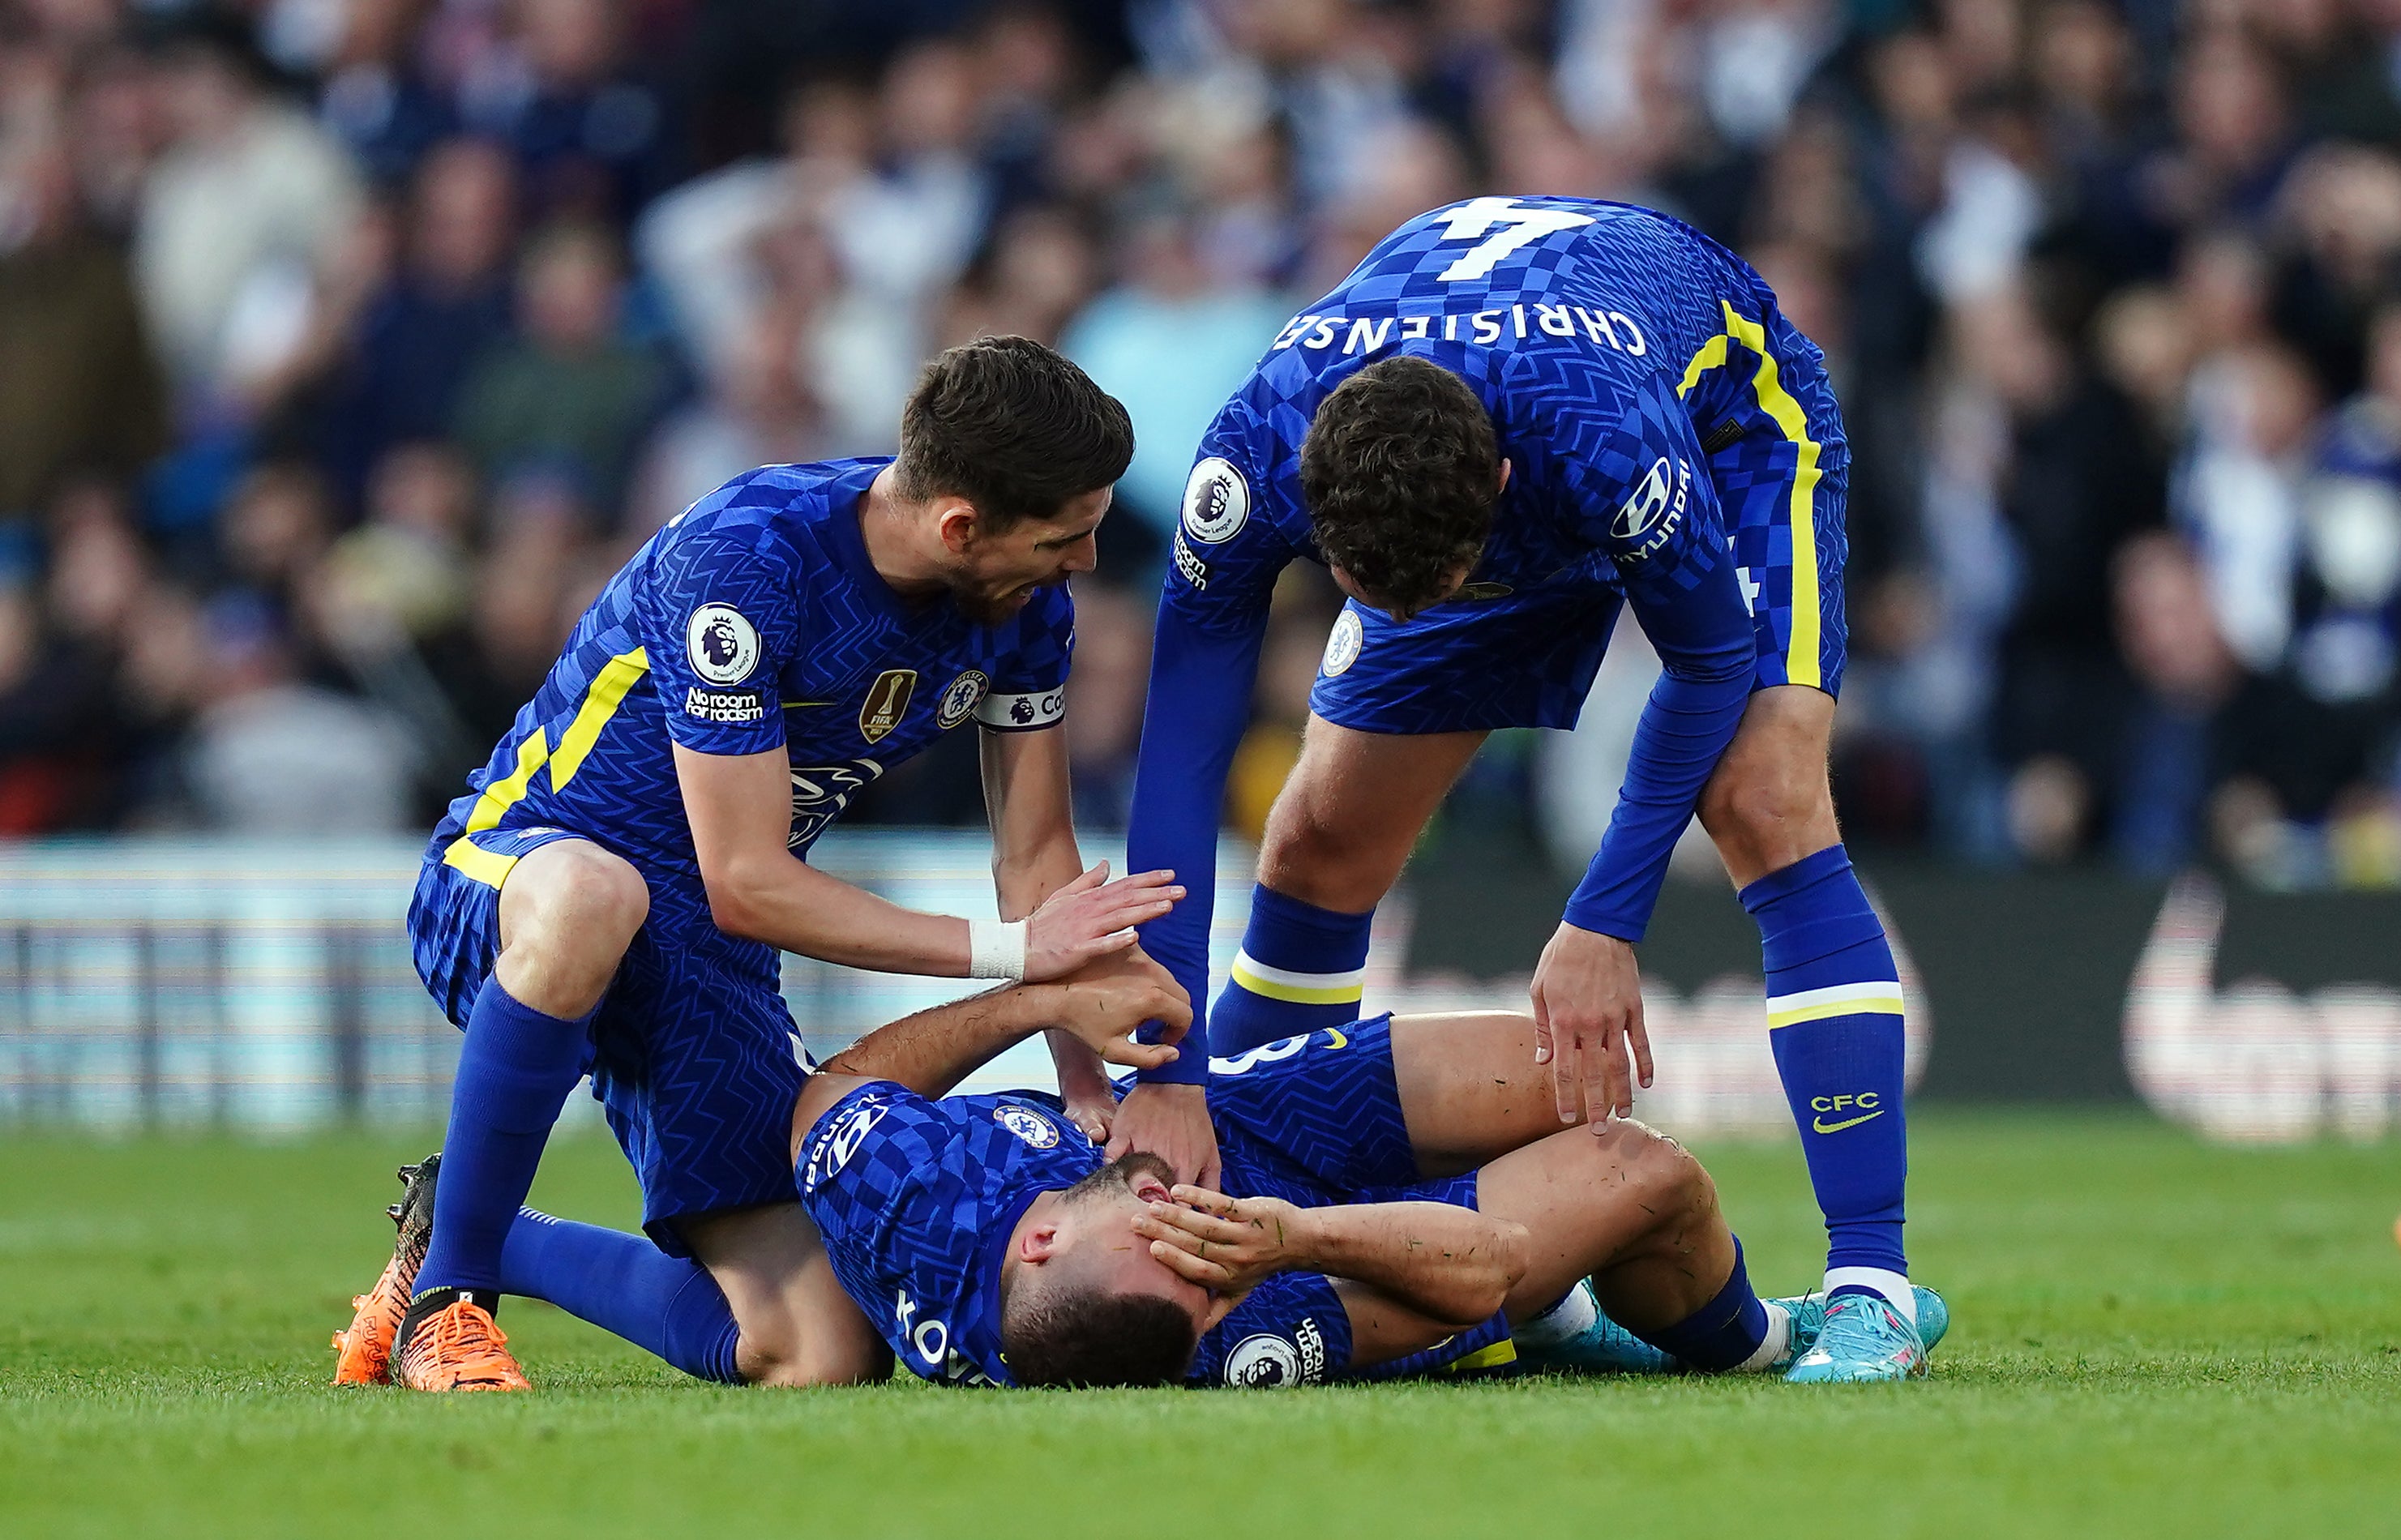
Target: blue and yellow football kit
pixel 916 1199
pixel 753 621
pixel 1672 445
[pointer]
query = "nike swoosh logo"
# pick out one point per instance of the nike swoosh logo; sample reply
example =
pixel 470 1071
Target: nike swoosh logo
pixel 1339 1041
pixel 804 705
pixel 1822 1126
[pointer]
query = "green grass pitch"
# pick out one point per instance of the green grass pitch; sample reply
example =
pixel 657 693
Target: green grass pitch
pixel 2152 1338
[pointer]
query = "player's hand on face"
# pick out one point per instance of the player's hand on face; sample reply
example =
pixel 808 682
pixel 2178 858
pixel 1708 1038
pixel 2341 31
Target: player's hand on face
pixel 1092 918
pixel 1106 1002
pixel 1587 998
pixel 1226 1246
pixel 1170 1122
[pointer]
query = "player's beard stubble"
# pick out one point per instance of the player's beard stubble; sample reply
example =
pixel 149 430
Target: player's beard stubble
pixel 987 606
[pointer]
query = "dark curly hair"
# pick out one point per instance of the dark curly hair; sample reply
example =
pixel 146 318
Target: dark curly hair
pixel 1078 1336
pixel 1400 471
pixel 1013 428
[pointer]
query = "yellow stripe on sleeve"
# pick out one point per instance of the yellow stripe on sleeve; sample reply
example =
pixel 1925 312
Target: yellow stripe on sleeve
pixel 609 687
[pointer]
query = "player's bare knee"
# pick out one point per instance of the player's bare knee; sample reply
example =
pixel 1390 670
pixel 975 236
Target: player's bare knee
pixel 587 903
pixel 1669 1183
pixel 1775 812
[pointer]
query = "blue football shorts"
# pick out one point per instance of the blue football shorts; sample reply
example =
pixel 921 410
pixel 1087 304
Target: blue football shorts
pixel 693 1053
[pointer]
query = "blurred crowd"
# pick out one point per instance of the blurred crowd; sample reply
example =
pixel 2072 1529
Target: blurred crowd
pixel 346 346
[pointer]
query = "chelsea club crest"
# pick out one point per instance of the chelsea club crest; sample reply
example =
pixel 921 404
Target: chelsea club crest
pixel 1027 1125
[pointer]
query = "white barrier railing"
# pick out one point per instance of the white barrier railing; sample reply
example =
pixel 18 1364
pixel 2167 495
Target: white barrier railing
pixel 268 986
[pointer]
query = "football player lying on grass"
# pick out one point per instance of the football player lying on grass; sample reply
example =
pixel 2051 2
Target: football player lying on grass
pixel 1399 1197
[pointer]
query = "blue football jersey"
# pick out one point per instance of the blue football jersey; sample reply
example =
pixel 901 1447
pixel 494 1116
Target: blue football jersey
pixel 916 1199
pixel 1649 401
pixel 1596 336
pixel 755 621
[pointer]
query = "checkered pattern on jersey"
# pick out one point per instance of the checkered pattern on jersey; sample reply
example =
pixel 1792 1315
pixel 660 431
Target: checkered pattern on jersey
pixel 1577 332
pixel 915 1198
pixel 1754 466
pixel 780 549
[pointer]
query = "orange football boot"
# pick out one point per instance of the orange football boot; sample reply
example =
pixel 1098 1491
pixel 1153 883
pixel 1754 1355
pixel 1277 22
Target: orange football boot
pixel 449 1341
pixel 365 1350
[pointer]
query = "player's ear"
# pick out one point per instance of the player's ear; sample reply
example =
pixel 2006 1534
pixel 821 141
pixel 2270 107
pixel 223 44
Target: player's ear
pixel 1504 477
pixel 955 521
pixel 1039 1245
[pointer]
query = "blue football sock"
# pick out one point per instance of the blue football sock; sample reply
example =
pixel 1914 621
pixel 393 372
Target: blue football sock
pixel 626 1286
pixel 1299 968
pixel 514 1073
pixel 1834 1020
pixel 1724 1333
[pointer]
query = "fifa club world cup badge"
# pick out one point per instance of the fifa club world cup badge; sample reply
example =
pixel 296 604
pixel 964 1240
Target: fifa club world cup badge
pixel 886 703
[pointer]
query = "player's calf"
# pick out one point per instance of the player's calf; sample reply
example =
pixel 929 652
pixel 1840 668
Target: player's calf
pixel 1634 1210
pixel 568 912
pixel 1335 839
pixel 795 1324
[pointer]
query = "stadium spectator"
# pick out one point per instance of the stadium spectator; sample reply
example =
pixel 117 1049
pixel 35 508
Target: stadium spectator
pixel 375 97
pixel 273 755
pixel 2081 268
pixel 1169 305
pixel 246 203
pixel 448 304
pixel 570 394
pixel 1105 698
pixel 79 387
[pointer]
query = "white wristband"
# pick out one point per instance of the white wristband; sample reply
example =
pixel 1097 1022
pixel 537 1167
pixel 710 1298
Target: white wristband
pixel 996 949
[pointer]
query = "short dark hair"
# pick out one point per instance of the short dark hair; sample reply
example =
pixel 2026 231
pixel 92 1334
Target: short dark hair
pixel 1072 1335
pixel 1013 428
pixel 1400 471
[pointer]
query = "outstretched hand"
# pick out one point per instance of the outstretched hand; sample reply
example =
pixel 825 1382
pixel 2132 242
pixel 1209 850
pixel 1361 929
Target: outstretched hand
pixel 1588 996
pixel 1092 918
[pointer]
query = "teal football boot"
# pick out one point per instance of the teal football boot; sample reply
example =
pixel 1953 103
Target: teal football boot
pixel 1861 1338
pixel 1603 1347
pixel 1808 1313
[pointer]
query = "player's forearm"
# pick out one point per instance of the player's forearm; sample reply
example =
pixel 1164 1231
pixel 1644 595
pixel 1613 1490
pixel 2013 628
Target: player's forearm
pixel 1703 630
pixel 1683 733
pixel 933 1050
pixel 792 906
pixel 1201 684
pixel 1028 803
pixel 1452 1263
pixel 1022 879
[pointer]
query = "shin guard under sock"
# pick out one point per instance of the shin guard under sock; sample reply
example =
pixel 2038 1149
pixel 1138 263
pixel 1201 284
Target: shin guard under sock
pixel 1723 1334
pixel 626 1286
pixel 1835 1022
pixel 1300 968
pixel 515 1072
